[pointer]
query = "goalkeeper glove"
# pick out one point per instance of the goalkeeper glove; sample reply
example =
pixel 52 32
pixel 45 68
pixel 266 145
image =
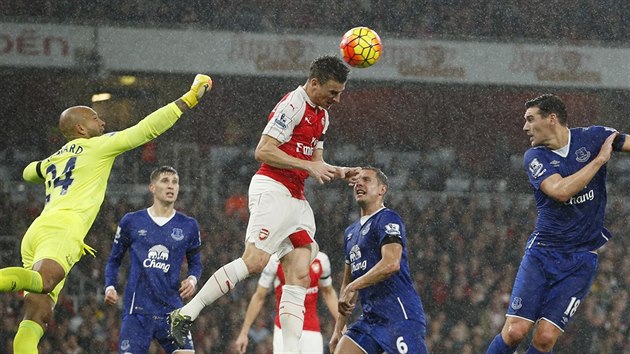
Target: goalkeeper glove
pixel 199 87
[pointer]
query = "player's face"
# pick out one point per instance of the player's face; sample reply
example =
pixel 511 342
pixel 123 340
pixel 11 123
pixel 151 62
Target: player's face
pixel 537 127
pixel 93 125
pixel 166 188
pixel 368 190
pixel 326 94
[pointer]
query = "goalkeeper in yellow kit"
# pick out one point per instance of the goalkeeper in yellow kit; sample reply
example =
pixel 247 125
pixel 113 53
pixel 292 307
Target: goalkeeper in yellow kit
pixel 75 178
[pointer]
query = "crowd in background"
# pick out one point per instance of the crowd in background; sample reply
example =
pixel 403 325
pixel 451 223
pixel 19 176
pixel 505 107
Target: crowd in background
pixel 464 244
pixel 568 20
pixel 464 249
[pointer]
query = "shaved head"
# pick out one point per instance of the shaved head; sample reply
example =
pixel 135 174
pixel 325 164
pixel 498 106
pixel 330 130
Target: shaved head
pixel 74 123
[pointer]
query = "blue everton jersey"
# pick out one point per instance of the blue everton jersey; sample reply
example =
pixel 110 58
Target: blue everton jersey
pixel 395 298
pixel 578 224
pixel 156 259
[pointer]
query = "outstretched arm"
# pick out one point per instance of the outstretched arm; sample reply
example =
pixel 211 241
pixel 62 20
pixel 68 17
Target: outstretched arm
pixel 253 309
pixel 157 122
pixel 562 189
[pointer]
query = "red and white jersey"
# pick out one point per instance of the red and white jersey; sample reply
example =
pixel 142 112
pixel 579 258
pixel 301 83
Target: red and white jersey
pixel 320 277
pixel 300 126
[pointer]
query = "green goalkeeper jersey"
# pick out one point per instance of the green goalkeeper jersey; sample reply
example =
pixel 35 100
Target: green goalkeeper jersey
pixel 76 176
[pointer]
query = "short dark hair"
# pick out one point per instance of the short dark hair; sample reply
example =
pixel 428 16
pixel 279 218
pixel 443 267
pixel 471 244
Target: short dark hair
pixel 162 169
pixel 327 68
pixel 380 175
pixel 549 103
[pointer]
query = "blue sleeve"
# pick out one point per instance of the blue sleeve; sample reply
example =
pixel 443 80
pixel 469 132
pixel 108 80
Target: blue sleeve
pixel 391 225
pixel 119 248
pixel 604 132
pixel 193 255
pixel 538 166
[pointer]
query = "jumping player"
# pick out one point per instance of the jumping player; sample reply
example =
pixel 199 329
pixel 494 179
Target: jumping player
pixel 281 220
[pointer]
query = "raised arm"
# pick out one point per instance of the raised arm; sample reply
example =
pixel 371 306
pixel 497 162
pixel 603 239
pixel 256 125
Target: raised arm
pixel 159 121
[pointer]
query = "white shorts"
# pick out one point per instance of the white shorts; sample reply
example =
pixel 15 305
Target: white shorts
pixel 311 342
pixel 278 223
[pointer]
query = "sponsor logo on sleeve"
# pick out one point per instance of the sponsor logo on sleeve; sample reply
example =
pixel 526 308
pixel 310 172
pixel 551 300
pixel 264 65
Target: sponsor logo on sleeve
pixel 392 229
pixel 517 303
pixel 282 121
pixel 536 168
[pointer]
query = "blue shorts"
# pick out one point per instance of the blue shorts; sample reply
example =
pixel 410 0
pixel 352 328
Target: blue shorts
pixel 137 331
pixel 551 285
pixel 401 337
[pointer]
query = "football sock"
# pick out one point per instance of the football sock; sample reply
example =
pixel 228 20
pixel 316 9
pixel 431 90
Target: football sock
pixel 498 346
pixel 291 312
pixel 532 350
pixel 219 284
pixel 27 337
pixel 15 279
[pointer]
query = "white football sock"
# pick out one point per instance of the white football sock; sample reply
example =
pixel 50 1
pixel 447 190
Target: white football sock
pixel 291 312
pixel 219 284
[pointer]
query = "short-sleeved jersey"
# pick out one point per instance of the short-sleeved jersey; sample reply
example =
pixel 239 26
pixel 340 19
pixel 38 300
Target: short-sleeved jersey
pixel 320 277
pixel 76 175
pixel 394 299
pixel 300 126
pixel 156 259
pixel 578 224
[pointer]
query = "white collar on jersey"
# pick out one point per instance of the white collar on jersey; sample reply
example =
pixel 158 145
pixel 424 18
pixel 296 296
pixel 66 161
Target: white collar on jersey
pixel 302 92
pixel 564 151
pixel 365 218
pixel 160 220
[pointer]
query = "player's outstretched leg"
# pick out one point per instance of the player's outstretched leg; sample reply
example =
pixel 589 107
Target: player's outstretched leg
pixel 179 326
pixel 220 283
pixel 13 279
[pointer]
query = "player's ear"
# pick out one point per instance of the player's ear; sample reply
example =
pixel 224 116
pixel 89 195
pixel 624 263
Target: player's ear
pixel 383 190
pixel 151 187
pixel 80 129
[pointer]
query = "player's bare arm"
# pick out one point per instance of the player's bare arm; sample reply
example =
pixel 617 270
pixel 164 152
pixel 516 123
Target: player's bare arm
pixel 253 309
pixel 330 298
pixel 342 320
pixel 347 298
pixel 626 144
pixel 268 152
pixel 562 189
